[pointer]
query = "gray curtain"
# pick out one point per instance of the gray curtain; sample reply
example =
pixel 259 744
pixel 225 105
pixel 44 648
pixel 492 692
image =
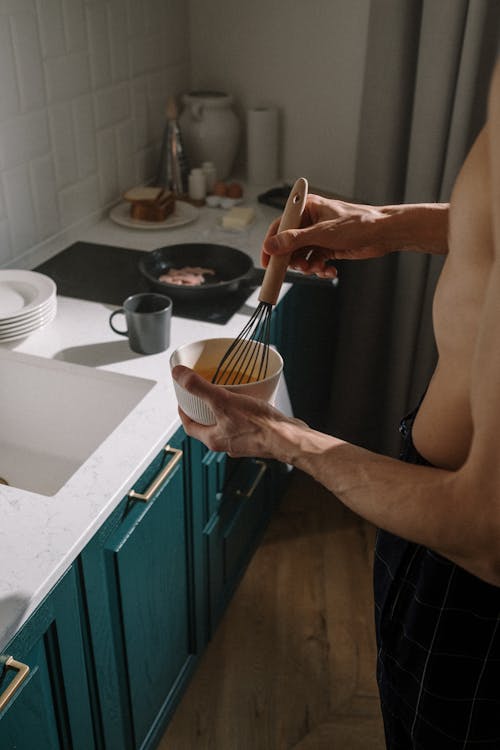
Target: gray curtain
pixel 428 66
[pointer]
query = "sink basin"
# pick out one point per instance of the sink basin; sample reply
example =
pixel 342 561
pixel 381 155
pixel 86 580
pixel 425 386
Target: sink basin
pixel 53 416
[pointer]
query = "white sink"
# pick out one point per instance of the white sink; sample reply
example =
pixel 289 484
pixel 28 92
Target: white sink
pixel 53 416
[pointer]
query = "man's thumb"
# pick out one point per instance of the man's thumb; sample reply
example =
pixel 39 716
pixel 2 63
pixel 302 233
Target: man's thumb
pixel 192 382
pixel 285 242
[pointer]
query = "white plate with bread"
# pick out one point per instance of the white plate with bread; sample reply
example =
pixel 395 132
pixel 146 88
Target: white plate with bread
pixel 147 207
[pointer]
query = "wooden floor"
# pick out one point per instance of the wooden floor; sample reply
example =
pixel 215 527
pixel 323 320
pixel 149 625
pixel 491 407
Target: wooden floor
pixel 292 664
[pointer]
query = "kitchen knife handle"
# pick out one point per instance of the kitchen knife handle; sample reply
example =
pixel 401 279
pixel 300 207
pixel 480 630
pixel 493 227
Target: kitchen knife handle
pixel 278 264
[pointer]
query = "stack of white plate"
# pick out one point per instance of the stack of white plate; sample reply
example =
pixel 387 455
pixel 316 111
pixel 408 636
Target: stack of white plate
pixel 27 302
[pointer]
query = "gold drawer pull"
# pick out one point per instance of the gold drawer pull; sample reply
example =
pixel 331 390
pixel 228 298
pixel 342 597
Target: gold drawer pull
pixel 160 477
pixel 262 470
pixel 22 673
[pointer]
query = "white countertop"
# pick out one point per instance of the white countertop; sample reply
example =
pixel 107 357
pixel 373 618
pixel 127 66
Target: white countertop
pixel 40 536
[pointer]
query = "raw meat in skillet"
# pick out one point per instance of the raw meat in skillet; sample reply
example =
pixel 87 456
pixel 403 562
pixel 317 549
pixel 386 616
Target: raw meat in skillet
pixel 186 276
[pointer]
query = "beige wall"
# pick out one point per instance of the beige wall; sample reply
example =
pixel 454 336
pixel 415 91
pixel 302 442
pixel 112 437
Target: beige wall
pixel 306 57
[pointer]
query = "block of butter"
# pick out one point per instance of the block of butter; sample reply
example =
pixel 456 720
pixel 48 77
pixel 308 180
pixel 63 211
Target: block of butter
pixel 238 217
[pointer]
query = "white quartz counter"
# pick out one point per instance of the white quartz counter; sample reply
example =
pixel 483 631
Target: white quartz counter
pixel 40 536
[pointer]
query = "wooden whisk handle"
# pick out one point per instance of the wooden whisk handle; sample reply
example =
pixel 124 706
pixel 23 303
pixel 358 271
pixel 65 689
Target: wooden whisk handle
pixel 278 264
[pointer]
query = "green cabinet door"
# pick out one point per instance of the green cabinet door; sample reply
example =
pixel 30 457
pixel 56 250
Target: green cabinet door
pixel 50 708
pixel 303 329
pixel 149 560
pixel 194 477
pixel 240 511
pixel 139 594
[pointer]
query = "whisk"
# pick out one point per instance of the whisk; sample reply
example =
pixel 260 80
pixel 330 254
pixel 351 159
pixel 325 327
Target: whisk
pixel 246 359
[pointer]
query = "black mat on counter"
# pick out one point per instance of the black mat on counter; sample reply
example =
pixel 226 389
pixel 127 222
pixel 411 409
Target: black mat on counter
pixel 108 274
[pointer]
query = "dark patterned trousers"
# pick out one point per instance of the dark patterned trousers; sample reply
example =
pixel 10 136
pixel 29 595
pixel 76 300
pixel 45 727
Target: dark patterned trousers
pixel 438 638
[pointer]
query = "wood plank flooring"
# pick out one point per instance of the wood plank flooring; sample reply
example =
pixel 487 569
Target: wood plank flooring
pixel 292 665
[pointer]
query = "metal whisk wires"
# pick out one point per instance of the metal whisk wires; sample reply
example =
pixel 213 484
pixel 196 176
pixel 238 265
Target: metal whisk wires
pixel 246 359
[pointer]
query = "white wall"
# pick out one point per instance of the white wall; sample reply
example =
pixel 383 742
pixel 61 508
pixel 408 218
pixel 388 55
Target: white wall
pixel 83 86
pixel 306 57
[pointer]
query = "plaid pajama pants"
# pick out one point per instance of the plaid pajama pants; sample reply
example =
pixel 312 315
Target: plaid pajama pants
pixel 438 638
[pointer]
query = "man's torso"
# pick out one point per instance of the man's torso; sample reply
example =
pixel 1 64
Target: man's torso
pixel 443 428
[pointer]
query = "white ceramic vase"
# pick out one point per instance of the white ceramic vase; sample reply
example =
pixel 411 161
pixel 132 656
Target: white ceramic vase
pixel 210 130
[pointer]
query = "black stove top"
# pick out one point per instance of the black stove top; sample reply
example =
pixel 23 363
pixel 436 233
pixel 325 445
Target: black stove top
pixel 108 274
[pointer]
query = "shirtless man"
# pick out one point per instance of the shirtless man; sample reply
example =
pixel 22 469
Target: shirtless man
pixel 437 560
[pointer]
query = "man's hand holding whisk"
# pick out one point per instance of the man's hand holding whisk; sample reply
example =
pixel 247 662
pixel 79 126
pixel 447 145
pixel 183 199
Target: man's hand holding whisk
pixel 336 230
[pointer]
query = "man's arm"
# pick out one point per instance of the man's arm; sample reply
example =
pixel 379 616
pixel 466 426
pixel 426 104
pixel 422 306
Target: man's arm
pixel 456 513
pixel 421 227
pixel 336 230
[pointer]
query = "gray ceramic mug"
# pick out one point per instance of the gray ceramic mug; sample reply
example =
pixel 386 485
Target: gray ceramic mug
pixel 148 317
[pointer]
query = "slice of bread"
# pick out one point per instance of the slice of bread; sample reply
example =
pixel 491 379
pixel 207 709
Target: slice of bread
pixel 143 193
pixel 150 203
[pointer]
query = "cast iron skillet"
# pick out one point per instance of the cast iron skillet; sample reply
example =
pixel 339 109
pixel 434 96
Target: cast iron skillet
pixel 232 269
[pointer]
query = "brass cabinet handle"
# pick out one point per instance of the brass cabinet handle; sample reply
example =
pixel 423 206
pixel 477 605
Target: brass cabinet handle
pixel 262 470
pixel 22 673
pixel 160 477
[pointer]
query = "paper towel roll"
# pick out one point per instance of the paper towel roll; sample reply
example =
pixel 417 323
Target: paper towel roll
pixel 262 145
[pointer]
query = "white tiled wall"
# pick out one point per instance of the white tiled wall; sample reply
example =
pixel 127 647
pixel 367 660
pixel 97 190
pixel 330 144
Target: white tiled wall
pixel 83 87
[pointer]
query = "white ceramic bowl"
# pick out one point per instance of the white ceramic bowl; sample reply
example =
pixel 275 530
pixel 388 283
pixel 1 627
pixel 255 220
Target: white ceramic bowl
pixel 206 355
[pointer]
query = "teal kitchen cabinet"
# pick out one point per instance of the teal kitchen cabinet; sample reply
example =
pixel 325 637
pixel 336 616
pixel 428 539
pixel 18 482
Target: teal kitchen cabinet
pixel 303 329
pixel 44 694
pixel 114 644
pixel 157 577
pixel 140 598
pixel 240 497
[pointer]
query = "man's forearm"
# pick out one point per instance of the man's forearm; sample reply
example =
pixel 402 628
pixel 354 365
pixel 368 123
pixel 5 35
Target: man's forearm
pixel 422 227
pixel 433 507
